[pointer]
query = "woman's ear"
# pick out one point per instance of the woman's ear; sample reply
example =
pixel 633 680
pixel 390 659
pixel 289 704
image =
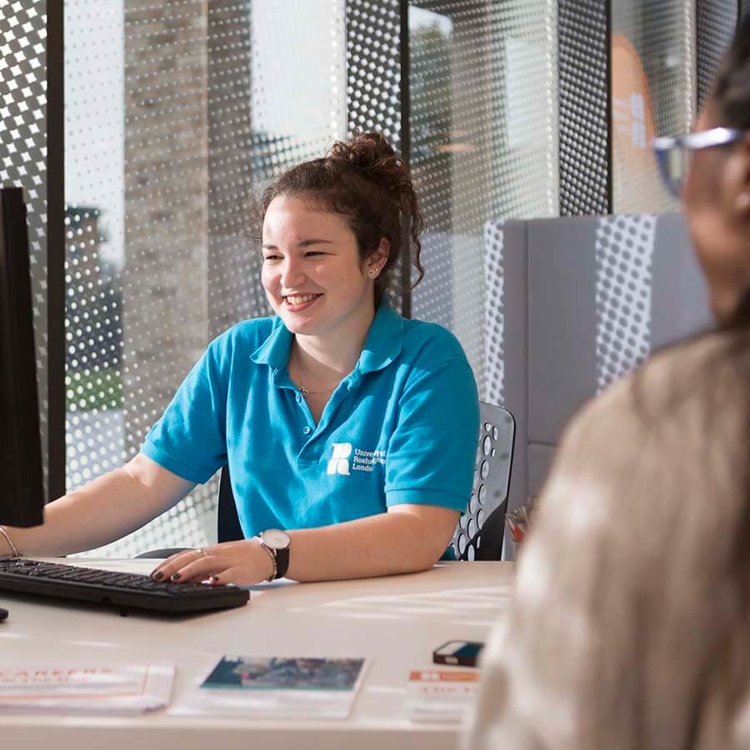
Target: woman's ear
pixel 378 258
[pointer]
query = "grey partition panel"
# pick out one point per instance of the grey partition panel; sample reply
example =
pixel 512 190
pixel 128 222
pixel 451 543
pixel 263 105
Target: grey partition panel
pixel 680 304
pixel 540 458
pixel 581 302
pixel 562 368
pixel 507 241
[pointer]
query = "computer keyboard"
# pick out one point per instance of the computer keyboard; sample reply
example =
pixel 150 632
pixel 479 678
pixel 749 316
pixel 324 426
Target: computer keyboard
pixel 121 590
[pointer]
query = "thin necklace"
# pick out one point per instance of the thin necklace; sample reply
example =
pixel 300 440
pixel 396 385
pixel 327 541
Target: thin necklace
pixel 306 392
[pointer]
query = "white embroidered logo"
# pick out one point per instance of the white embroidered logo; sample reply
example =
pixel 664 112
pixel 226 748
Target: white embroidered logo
pixel 362 460
pixel 339 463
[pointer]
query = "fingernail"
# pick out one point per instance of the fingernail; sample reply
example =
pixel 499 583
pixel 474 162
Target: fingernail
pixel 176 576
pixel 158 575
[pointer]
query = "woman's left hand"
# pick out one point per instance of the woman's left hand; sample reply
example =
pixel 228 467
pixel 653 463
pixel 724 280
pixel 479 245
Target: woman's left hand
pixel 242 563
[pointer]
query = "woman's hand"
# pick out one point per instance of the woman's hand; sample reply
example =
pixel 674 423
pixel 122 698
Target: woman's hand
pixel 241 563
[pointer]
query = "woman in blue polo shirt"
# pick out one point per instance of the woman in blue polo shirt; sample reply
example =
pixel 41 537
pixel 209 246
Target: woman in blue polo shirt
pixel 349 431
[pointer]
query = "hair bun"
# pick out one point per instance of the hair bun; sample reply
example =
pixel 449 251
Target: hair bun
pixel 372 156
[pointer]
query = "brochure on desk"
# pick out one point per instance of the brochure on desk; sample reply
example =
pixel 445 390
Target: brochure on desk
pixel 112 689
pixel 277 687
pixel 441 695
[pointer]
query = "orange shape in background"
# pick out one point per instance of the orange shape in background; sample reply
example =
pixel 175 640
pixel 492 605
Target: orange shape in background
pixel 635 173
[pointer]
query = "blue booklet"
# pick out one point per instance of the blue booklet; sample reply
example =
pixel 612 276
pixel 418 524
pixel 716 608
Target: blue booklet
pixel 285 673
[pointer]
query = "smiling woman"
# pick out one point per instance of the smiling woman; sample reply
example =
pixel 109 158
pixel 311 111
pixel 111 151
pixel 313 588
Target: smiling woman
pixel 348 430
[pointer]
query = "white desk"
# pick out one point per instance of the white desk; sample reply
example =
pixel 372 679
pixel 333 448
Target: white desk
pixel 396 621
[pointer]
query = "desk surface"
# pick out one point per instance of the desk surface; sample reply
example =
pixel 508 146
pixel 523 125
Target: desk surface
pixel 395 621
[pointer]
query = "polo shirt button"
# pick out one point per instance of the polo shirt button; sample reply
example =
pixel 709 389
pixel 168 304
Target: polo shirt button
pixel 306 430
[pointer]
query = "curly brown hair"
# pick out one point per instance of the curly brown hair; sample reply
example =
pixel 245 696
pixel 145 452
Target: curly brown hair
pixel 363 180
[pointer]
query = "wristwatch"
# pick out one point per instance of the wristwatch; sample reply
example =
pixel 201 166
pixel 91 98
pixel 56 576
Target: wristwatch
pixel 277 543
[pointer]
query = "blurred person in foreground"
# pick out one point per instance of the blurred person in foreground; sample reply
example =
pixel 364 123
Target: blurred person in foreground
pixel 631 620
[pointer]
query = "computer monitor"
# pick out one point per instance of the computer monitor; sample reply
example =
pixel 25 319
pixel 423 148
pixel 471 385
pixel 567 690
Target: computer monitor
pixel 21 481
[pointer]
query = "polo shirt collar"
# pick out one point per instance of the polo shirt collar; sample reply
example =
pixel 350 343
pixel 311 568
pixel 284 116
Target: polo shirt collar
pixel 384 339
pixel 382 345
pixel 274 351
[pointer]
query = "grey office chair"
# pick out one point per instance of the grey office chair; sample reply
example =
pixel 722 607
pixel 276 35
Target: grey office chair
pixel 479 533
pixel 481 529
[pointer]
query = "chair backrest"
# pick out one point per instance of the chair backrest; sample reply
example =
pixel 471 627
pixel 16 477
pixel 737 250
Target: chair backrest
pixel 228 522
pixel 479 533
pixel 480 530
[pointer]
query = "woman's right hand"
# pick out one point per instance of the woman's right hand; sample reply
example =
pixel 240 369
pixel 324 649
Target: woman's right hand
pixel 241 563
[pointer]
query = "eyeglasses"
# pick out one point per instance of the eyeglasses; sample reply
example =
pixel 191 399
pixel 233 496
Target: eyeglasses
pixel 674 153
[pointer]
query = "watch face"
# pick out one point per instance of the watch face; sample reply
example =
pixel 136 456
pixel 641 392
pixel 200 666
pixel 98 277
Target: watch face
pixel 276 539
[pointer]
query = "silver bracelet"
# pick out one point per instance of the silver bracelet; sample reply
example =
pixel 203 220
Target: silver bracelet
pixel 271 554
pixel 13 548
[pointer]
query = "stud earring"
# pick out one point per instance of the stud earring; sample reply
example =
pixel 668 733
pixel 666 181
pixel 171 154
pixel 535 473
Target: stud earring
pixel 372 273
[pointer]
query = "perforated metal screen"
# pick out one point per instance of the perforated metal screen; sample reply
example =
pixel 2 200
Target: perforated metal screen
pixel 584 107
pixel 715 24
pixel 484 144
pixel 373 67
pixel 653 93
pixel 173 116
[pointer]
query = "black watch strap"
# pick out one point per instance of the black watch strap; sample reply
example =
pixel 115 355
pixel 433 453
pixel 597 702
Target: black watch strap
pixel 277 544
pixel 282 562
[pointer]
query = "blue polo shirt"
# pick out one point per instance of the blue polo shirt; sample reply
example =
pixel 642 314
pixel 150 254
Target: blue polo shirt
pixel 400 428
